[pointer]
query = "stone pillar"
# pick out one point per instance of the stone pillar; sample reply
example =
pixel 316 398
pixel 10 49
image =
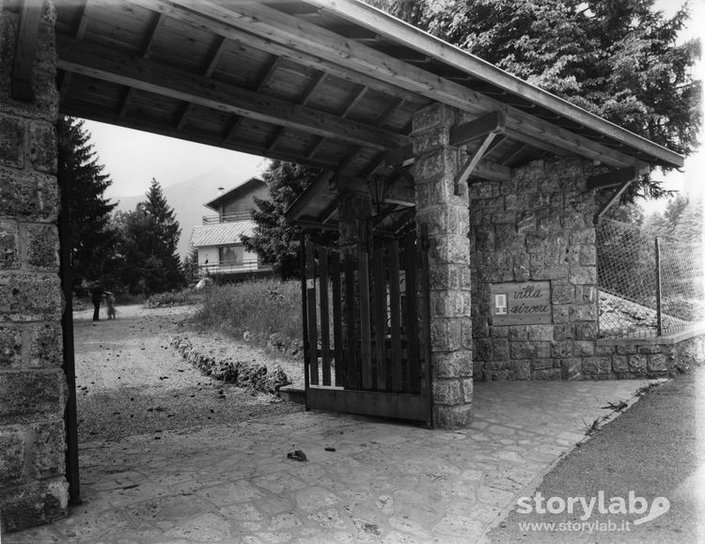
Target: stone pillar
pixel 354 210
pixel 445 218
pixel 33 392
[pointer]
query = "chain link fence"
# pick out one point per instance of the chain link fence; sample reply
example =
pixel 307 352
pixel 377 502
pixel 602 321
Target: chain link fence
pixel 649 286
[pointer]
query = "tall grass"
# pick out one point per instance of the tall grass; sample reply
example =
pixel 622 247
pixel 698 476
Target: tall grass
pixel 259 307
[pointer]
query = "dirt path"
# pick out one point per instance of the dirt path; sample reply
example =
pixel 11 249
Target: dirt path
pixel 130 381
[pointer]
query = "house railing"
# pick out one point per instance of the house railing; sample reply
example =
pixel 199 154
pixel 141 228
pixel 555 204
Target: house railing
pixel 226 218
pixel 231 267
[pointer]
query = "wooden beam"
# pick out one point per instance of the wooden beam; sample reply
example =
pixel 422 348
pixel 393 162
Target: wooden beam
pixel 152 33
pixel 315 84
pixel 354 102
pixel 399 155
pixel 280 28
pixel 82 21
pixel 614 178
pixel 491 171
pixel 461 185
pixel 184 117
pixel 318 185
pixel 107 64
pixel 25 49
pixel 402 194
pixel 264 44
pixel 465 133
pixel 393 106
pixel 129 97
pixel 330 212
pixel 315 148
pixel 538 143
pixel 113 118
pixel 400 33
pixel 615 196
pixel 275 141
pixel 313 225
pixel 215 55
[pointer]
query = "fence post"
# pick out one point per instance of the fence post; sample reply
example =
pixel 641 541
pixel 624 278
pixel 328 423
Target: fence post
pixel 659 322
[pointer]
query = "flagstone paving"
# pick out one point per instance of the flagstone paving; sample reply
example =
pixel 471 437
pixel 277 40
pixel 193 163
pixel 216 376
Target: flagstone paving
pixel 384 482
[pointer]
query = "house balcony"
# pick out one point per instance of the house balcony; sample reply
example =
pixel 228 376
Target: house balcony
pixel 226 218
pixel 233 268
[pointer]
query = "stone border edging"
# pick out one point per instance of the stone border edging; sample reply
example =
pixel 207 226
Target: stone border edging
pixel 239 373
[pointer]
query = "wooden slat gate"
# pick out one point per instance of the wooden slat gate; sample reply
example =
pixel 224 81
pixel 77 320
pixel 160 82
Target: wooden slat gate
pixel 366 330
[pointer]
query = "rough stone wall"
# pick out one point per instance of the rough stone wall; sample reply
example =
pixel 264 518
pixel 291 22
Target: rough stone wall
pixel 33 489
pixel 643 358
pixel 445 217
pixel 537 227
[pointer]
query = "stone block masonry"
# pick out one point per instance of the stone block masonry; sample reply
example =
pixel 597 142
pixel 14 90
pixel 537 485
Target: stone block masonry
pixel 538 227
pixel 446 220
pixel 33 391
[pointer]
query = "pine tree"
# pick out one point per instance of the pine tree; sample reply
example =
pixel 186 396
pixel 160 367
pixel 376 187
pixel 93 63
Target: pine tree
pixel 80 174
pixel 619 59
pixel 149 236
pixel 275 240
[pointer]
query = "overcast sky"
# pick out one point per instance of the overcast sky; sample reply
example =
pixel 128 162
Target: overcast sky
pixel 133 158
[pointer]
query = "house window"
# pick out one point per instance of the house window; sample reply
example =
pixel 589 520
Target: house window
pixel 230 256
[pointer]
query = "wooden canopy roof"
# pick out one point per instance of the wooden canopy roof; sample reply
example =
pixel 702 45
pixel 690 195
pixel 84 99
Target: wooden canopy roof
pixel 328 83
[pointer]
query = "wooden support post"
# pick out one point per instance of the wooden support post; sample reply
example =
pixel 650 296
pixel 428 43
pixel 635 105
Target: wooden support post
pixel 461 185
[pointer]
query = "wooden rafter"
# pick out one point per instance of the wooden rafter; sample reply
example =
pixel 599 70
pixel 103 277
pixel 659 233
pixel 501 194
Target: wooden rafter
pixel 308 93
pixel 465 133
pixel 106 64
pixel 615 196
pixel 385 25
pixel 615 178
pixel 263 79
pixel 318 185
pixel 184 117
pixel 214 57
pixel 307 38
pixel 359 95
pixel 155 27
pixel 105 116
pixel 25 49
pixel 391 108
pixel 126 101
pixel 232 129
pixel 315 148
pixel 492 171
pixel 475 158
pixel 262 43
pixel 315 84
pixel 151 39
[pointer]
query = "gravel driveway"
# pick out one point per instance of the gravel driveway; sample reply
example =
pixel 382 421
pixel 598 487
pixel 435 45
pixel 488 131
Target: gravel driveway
pixel 130 381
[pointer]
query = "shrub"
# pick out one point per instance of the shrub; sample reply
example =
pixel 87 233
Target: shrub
pixel 259 308
pixel 174 298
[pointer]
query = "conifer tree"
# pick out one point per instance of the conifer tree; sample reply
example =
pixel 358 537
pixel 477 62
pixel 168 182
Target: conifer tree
pixel 275 240
pixel 83 178
pixel 149 237
pixel 619 59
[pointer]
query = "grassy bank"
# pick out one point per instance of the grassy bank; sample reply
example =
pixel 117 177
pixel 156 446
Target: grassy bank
pixel 259 308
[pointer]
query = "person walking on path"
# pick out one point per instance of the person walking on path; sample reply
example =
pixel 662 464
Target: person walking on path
pixel 96 296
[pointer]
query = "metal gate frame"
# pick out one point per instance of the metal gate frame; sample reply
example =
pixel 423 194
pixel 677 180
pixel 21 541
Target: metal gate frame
pixel 357 373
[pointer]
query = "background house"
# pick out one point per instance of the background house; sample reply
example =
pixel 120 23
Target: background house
pixel 221 253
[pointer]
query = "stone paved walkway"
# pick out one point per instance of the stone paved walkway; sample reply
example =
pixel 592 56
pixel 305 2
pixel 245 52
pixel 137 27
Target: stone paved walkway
pixel 385 482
